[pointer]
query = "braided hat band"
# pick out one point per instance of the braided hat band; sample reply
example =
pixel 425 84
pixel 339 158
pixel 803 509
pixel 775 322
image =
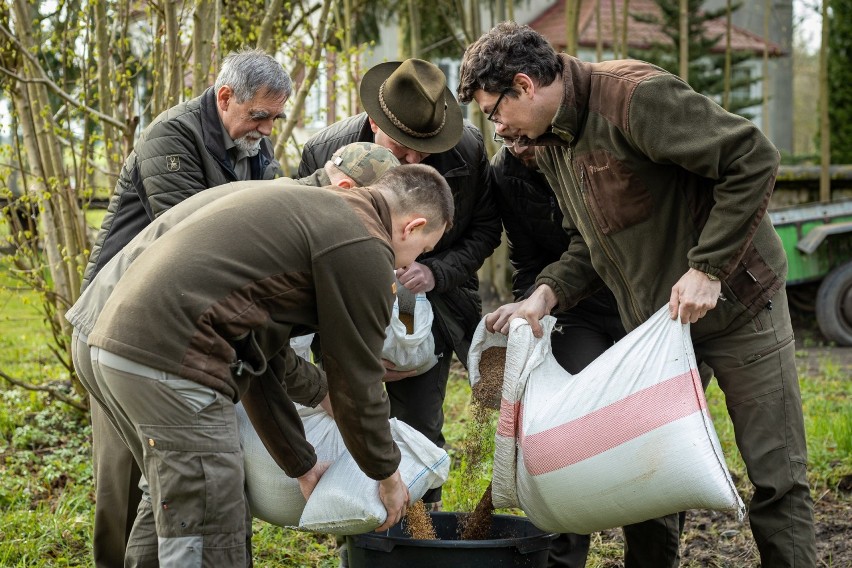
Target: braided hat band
pixel 396 122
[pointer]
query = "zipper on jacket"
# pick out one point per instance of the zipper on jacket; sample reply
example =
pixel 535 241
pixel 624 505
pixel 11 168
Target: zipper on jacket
pixel 637 313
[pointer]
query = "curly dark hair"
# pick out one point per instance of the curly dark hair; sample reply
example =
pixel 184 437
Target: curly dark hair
pixel 492 61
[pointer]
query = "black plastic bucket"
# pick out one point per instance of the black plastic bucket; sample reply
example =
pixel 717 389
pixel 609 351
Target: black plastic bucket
pixel 513 542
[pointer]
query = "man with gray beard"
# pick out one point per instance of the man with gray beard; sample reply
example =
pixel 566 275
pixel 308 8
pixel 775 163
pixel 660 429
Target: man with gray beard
pixel 214 139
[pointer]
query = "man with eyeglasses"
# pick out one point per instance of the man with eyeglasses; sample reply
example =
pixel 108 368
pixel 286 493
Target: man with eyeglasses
pixel 667 193
pixel 410 111
pixel 536 237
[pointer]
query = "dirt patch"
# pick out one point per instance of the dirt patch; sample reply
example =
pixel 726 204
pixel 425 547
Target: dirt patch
pixel 716 539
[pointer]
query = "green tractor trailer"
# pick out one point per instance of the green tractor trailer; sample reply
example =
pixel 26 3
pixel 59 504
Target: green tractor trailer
pixel 817 238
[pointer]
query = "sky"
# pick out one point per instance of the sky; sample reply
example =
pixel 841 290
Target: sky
pixel 807 20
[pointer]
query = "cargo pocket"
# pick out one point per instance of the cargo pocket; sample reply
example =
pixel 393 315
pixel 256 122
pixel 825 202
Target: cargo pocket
pixel 195 477
pixel 616 198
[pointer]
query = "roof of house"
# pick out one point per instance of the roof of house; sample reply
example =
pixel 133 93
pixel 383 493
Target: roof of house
pixel 641 35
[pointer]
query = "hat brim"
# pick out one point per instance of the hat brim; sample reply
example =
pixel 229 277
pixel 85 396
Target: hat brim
pixel 446 139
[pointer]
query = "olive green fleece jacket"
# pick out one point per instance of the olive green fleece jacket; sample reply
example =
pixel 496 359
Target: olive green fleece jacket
pixel 215 299
pixel 658 179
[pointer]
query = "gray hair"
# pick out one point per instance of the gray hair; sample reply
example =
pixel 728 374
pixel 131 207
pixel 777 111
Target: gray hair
pixel 249 71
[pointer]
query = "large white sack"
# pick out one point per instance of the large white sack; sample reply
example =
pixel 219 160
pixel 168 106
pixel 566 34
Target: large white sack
pixel 413 351
pixel 273 496
pixel 627 439
pixel 346 501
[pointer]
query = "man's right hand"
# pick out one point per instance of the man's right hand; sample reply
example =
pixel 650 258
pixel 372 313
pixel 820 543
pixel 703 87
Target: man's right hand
pixel 538 305
pixel 394 495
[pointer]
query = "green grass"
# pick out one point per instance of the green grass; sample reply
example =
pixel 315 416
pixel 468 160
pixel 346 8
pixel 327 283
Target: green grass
pixel 46 500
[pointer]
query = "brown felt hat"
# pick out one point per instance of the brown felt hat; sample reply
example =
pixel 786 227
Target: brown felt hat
pixel 410 102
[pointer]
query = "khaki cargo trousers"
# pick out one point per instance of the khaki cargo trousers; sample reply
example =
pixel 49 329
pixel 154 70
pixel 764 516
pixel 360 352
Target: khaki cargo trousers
pixel 184 437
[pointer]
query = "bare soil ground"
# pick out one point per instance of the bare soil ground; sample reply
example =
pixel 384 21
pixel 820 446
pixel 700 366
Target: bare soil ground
pixel 715 539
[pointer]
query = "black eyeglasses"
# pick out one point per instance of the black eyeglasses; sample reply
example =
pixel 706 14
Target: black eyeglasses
pixel 490 116
pixel 504 141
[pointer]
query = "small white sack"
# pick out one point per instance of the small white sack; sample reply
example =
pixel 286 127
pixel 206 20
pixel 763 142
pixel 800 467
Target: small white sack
pixel 627 439
pixel 272 495
pixel 346 501
pixel 301 344
pixel 414 351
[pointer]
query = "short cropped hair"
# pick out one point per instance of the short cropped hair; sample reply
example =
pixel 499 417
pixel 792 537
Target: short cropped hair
pixel 250 71
pixel 491 62
pixel 418 189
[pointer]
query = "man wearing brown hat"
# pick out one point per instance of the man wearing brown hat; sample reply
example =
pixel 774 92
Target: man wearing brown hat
pixel 410 111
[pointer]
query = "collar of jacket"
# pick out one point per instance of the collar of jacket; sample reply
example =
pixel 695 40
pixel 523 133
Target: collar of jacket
pixel 212 128
pixel 571 116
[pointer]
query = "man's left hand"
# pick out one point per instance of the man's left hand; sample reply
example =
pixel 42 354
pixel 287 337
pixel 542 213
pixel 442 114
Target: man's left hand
pixel 416 277
pixel 693 296
pixel 309 480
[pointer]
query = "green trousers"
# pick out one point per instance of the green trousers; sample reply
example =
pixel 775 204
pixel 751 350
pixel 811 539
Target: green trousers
pixel 756 369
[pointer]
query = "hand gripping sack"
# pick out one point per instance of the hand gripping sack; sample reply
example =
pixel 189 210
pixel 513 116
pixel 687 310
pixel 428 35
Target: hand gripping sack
pixel 413 351
pixel 272 496
pixel 346 501
pixel 627 439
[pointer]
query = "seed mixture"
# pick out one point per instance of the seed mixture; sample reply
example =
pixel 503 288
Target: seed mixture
pixel 408 320
pixel 477 526
pixel 488 391
pixel 418 523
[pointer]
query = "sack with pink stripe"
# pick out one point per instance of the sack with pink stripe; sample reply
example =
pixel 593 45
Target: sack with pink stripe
pixel 627 439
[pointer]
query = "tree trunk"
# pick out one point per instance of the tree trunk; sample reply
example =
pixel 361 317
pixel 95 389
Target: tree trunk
pixel 572 20
pixel 302 93
pixel 174 65
pixel 62 216
pixel 598 32
pixel 264 39
pixel 824 123
pixel 614 24
pixel 414 28
pixel 726 89
pixel 203 22
pixel 764 117
pixel 112 150
pixel 684 40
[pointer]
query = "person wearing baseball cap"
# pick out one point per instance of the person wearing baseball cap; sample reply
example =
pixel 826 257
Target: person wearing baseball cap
pixel 410 110
pixel 354 165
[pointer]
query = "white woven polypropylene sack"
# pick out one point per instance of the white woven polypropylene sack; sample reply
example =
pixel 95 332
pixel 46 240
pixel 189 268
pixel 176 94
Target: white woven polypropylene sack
pixel 272 495
pixel 301 344
pixel 413 351
pixel 346 501
pixel 627 439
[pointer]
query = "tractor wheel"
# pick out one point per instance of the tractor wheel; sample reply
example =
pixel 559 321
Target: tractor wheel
pixel 834 305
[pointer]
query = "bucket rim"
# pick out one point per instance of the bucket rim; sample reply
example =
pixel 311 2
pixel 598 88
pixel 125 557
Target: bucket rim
pixel 392 541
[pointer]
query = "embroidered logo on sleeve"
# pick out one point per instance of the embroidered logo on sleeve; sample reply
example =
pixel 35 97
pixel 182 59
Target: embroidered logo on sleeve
pixel 173 163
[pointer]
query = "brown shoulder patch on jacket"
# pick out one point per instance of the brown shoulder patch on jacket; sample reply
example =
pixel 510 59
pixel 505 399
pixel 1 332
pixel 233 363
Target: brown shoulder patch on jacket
pixel 613 85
